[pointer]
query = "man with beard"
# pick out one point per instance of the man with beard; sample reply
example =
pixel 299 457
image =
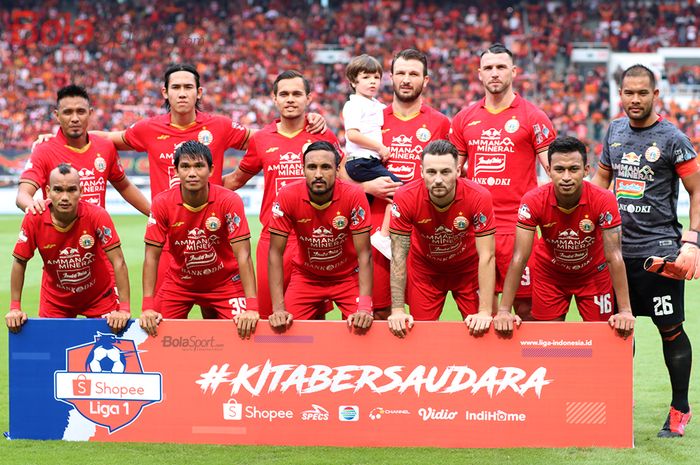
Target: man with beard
pixel 645 156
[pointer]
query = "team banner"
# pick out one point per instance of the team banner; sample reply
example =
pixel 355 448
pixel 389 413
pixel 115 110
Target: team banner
pixel 550 385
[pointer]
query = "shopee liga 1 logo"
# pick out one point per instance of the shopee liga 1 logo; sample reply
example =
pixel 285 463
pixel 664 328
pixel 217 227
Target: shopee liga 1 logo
pixel 105 382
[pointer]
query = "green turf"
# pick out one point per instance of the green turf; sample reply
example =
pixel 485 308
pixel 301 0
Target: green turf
pixel 652 395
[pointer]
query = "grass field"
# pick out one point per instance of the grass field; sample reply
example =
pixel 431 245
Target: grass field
pixel 652 394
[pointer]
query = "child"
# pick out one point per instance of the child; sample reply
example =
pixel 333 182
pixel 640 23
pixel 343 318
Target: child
pixel 364 116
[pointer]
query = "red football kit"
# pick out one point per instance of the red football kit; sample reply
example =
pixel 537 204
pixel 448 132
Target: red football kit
pixel 501 150
pixel 325 266
pixel 280 156
pixel 203 269
pixel 97 163
pixel 443 254
pixel 159 138
pixel 406 138
pixel 570 260
pixel 77 279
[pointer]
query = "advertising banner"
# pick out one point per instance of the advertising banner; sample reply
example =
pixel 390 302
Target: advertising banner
pixel 550 385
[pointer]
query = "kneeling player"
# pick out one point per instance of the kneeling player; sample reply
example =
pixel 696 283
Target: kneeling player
pixel 78 242
pixel 580 226
pixel 334 259
pixel 205 228
pixel 450 222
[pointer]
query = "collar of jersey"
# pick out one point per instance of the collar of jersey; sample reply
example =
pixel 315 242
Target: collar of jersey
pixel 62 138
pixel 47 218
pixel 406 118
pixel 197 119
pixel 553 198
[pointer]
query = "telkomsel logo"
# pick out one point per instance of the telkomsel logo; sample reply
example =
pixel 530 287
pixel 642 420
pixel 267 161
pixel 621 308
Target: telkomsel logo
pixel 105 382
pixel 349 413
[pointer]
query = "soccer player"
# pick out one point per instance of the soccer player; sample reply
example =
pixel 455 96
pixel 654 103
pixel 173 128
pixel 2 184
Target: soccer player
pixel 76 240
pixel 334 257
pixel 409 125
pixel 501 137
pixel 580 254
pixel 277 150
pixel 206 229
pixel 643 157
pixel 94 157
pixel 442 238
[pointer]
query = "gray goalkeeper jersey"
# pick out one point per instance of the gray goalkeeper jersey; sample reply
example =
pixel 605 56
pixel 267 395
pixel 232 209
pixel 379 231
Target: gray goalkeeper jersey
pixel 646 184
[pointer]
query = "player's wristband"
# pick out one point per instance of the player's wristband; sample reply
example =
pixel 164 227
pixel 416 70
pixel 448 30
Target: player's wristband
pixel 251 304
pixel 364 304
pixel 691 237
pixel 15 305
pixel 125 307
pixel 147 303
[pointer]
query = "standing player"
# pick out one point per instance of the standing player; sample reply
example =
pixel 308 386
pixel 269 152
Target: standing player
pixel 94 157
pixel 580 254
pixel 277 150
pixel 206 228
pixel 76 240
pixel 501 137
pixel 409 125
pixel 644 156
pixel 334 257
pixel 450 222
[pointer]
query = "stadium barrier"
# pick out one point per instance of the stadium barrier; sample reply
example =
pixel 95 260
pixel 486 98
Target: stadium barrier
pixel 549 385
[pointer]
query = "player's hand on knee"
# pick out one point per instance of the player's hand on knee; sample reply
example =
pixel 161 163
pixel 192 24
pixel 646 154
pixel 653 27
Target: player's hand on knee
pixel 400 323
pixel 117 320
pixel 623 323
pixel 280 320
pixel 478 323
pixel 361 319
pixel 149 321
pixel 15 319
pixel 504 322
pixel 246 323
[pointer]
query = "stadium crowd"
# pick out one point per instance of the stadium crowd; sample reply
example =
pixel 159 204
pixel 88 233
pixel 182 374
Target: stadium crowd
pixel 239 48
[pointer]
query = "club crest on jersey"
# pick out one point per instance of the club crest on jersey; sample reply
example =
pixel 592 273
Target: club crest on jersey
pixel 586 225
pixel 423 134
pixel 205 137
pixel 86 241
pixel 652 154
pixel 339 222
pixel 460 223
pixel 100 163
pixel 212 223
pixel 511 125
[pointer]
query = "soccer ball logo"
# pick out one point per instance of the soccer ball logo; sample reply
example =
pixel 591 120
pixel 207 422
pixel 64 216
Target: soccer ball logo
pixel 376 413
pixel 105 357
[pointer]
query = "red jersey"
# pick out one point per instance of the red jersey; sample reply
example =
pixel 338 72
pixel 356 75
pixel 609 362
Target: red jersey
pixel 572 239
pixel 406 139
pixel 324 233
pixel 280 156
pixel 199 239
pixel 442 239
pixel 76 267
pixel 97 163
pixel 159 138
pixel 501 151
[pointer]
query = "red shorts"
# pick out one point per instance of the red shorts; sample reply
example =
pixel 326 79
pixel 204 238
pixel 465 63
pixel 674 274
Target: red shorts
pixel 175 302
pixel 308 298
pixel 426 293
pixel 261 259
pixel 594 296
pixel 108 302
pixel 505 243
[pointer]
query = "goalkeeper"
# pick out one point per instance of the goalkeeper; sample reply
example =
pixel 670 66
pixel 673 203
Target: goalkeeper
pixel 644 156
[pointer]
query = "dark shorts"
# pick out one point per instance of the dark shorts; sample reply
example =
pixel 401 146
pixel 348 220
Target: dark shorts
pixel 655 296
pixel 367 169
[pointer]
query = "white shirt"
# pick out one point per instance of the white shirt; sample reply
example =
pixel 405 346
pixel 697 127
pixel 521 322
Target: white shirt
pixel 367 116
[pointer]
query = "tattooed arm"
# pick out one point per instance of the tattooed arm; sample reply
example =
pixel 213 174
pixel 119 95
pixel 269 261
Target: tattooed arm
pixel 399 321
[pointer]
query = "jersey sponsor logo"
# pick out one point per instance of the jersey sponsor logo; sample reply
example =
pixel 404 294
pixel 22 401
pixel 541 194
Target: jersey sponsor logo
pixel 569 250
pixel 425 220
pixel 652 153
pixel 491 181
pixel 629 189
pixel 49 246
pixel 162 137
pixel 395 211
pixel 402 141
pixel 205 137
pixel 479 221
pixel 199 253
pixel 549 225
pixel 290 157
pixel 104 234
pixel 73 269
pixel 541 133
pixel 322 232
pixel 615 144
pixel 512 125
pixel 524 213
pixel 272 149
pixel 423 134
pixel 680 155
pixel 174 225
pixel 277 210
pixel 629 208
pixel 29 164
pixel 22 236
pixel 631 158
pixel 605 219
pixel 489 163
pixel 403 170
pixel 645 173
pixel 100 163
pixel 474 123
pixel 443 244
pixel 304 220
pixel 357 215
pixel 232 222
pixel 151 221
